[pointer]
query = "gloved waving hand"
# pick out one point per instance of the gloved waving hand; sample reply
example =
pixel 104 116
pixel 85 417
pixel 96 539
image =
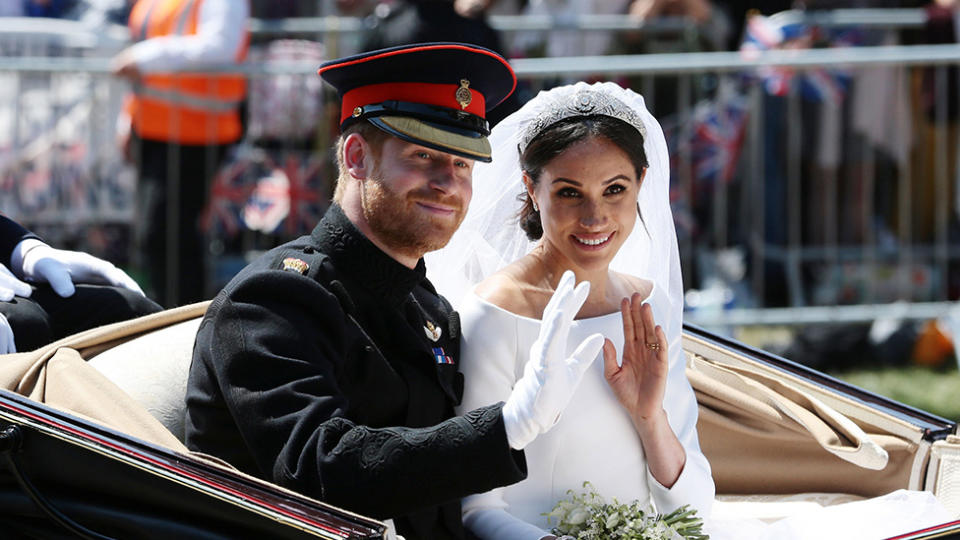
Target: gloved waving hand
pixel 552 372
pixel 41 263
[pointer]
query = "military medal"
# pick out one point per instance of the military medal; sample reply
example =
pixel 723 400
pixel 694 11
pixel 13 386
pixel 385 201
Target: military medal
pixel 432 331
pixel 295 265
pixel 441 356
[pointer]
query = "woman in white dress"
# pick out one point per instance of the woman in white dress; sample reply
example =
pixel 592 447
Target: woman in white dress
pixel 586 169
pixel 591 161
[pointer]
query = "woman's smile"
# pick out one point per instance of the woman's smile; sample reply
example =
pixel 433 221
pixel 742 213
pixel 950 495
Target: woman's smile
pixel 592 242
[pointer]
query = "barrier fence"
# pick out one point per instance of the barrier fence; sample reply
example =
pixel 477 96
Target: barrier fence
pixel 807 186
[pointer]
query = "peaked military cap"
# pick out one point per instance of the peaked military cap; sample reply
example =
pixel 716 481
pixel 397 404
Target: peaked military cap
pixel 433 94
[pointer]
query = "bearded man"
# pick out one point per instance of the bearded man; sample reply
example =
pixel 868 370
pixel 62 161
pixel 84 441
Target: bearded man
pixel 329 365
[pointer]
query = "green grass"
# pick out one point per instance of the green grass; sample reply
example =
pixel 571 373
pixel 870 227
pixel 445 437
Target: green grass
pixel 935 391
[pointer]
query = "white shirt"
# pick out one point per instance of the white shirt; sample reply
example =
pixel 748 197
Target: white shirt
pixel 594 440
pixel 221 30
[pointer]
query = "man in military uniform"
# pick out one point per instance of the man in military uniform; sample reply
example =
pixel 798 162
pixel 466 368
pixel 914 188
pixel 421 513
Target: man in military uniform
pixel 329 365
pixel 63 292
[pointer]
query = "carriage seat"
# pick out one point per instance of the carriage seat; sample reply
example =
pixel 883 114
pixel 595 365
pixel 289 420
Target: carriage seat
pixel 153 368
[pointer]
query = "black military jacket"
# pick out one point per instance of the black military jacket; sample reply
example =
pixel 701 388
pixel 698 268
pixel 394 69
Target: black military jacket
pixel 11 234
pixel 328 367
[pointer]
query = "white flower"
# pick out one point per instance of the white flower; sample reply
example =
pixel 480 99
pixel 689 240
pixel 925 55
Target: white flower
pixel 578 516
pixel 587 516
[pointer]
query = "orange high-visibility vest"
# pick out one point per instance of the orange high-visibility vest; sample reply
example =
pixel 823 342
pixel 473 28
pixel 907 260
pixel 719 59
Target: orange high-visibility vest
pixel 193 109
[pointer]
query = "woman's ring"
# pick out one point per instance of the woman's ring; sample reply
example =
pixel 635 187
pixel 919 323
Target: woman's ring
pixel 653 346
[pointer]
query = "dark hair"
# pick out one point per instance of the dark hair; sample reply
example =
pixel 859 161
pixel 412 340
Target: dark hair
pixel 554 140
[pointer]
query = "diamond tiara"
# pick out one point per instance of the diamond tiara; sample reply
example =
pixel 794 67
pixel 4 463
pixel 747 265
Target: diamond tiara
pixel 582 103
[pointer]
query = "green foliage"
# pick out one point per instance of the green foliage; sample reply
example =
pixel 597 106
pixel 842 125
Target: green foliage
pixel 587 516
pixel 931 390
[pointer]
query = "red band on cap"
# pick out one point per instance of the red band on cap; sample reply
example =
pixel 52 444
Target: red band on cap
pixel 443 95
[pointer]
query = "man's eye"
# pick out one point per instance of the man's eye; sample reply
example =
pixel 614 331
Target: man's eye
pixel 423 155
pixel 461 164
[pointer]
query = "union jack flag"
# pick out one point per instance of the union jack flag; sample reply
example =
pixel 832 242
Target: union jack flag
pixel 780 32
pixel 718 138
pixel 308 192
pixel 288 199
pixel 228 193
pixel 705 146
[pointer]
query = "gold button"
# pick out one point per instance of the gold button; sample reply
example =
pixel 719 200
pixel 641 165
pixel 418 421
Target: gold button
pixel 357 111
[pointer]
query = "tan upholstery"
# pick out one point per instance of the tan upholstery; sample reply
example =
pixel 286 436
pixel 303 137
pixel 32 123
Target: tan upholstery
pixel 59 376
pixel 762 436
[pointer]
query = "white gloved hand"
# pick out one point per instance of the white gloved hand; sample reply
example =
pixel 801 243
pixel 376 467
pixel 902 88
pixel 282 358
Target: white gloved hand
pixel 6 335
pixel 10 286
pixel 41 263
pixel 552 374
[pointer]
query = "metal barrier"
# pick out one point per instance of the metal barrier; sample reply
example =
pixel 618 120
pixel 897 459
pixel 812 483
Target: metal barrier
pixel 788 207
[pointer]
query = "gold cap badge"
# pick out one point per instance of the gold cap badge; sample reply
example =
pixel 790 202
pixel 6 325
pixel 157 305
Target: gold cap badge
pixel 295 265
pixel 463 96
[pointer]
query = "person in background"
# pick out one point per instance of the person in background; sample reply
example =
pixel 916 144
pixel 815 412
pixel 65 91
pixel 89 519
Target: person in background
pixel 177 128
pixel 47 293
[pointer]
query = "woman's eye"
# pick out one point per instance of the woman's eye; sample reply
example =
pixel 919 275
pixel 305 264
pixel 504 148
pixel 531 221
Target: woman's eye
pixel 568 193
pixel 615 189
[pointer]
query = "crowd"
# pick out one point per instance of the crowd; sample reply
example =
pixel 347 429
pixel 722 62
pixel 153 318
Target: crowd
pixel 172 258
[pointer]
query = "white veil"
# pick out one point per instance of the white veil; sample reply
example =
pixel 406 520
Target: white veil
pixel 490 236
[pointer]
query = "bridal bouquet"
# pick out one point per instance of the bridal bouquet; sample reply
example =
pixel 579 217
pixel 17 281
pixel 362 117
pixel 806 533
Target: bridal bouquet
pixel 586 516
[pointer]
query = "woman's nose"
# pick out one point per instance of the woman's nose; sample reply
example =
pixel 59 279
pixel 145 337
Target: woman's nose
pixel 592 214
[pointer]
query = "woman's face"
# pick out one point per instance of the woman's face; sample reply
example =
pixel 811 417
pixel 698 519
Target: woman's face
pixel 588 202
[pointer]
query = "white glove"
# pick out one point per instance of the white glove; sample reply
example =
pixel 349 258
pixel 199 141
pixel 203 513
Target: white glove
pixel 10 286
pixel 6 334
pixel 552 374
pixel 41 263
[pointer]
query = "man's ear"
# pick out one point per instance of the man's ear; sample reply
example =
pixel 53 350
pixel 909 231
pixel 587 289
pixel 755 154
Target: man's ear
pixel 356 156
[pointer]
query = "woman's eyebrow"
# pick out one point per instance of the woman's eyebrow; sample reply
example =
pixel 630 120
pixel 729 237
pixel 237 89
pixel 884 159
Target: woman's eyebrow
pixel 576 183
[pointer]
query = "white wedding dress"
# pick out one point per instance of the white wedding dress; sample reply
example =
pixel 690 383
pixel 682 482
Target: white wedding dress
pixel 594 440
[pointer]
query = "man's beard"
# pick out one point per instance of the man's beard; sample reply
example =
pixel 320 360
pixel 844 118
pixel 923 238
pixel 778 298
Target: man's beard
pixel 397 223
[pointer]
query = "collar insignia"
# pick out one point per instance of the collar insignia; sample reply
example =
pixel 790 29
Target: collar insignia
pixel 463 95
pixel 295 265
pixel 433 331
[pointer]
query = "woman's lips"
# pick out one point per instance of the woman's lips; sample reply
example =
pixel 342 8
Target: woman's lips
pixel 593 241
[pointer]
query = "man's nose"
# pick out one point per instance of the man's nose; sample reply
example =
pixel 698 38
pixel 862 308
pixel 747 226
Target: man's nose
pixel 444 176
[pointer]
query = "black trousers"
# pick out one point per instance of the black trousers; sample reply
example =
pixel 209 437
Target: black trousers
pixel 46 317
pixel 172 193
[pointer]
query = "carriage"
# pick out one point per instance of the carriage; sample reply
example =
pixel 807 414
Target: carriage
pixel 91 431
